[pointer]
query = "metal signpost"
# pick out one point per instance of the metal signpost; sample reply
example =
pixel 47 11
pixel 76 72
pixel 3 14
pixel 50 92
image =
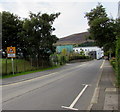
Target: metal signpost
pixel 11 53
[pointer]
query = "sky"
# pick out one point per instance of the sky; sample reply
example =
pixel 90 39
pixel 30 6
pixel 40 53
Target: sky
pixel 72 18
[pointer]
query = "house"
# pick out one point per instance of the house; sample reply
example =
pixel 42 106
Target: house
pixel 94 52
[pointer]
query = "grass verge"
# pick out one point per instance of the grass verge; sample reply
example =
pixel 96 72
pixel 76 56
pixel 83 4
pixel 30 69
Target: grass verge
pixel 28 72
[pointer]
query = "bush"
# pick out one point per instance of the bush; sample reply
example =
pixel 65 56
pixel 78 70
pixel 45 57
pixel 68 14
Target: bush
pixel 54 60
pixel 118 60
pixel 76 56
pixel 62 58
pixel 113 63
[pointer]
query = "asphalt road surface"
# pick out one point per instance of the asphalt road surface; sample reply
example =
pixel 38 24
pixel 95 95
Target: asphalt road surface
pixel 69 88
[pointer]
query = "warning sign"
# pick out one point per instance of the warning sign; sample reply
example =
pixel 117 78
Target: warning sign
pixel 11 52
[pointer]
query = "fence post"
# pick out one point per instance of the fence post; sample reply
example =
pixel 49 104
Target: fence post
pixel 24 64
pixel 16 65
pixel 31 63
pixel 37 61
pixel 6 65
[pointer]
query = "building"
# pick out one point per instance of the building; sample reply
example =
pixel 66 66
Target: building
pixel 69 48
pixel 94 52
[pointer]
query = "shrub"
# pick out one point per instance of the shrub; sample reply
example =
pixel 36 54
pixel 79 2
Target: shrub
pixel 113 63
pixel 118 60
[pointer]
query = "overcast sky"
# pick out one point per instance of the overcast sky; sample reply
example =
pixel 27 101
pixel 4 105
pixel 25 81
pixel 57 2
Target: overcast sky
pixel 72 12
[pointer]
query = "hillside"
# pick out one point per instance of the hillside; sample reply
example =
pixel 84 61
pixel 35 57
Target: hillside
pixel 74 39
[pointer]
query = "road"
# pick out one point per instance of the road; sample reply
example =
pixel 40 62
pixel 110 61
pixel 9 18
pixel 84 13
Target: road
pixel 56 90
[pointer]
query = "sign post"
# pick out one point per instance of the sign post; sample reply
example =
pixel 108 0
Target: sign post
pixel 12 65
pixel 11 53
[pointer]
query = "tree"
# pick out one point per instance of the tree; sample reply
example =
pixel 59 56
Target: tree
pixel 102 28
pixel 37 35
pixel 11 26
pixel 98 12
pixel 118 50
pixel 64 52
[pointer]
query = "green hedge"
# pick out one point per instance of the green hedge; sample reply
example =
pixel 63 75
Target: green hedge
pixel 118 60
pixel 60 59
pixel 113 63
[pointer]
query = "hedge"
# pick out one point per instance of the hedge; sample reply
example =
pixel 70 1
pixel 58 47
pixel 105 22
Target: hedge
pixel 118 60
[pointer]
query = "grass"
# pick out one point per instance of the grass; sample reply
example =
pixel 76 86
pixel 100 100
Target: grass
pixel 28 72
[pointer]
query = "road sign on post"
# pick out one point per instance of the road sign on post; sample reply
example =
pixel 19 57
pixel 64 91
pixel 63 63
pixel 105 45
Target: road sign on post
pixel 11 53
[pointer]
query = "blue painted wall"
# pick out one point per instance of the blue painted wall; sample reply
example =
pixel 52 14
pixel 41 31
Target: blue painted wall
pixel 69 48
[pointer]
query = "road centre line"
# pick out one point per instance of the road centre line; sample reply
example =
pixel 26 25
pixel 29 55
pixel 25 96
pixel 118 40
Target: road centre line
pixel 71 107
pixel 42 76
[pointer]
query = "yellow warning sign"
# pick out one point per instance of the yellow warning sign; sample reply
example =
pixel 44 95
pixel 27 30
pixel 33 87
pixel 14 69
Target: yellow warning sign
pixel 11 52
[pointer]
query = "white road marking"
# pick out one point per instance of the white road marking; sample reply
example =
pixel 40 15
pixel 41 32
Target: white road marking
pixel 69 108
pixel 95 95
pixel 102 64
pixel 76 99
pixel 97 89
pixel 41 76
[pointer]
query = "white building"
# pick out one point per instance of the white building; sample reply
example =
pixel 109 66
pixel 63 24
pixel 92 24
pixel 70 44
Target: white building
pixel 94 52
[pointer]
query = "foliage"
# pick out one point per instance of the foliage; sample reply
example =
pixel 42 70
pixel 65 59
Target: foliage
pixel 53 59
pixel 62 58
pixel 64 52
pixel 11 27
pixel 82 53
pixel 32 36
pixel 118 59
pixel 86 44
pixel 98 12
pixel 113 63
pixel 102 28
pixel 38 36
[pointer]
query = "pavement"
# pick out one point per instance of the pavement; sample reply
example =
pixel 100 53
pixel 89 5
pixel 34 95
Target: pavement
pixel 106 94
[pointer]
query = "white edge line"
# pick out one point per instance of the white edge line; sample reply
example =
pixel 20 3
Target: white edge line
pixel 102 64
pixel 95 96
pixel 95 100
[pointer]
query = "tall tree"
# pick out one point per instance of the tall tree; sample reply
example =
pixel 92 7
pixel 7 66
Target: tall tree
pixel 11 26
pixel 98 12
pixel 37 31
pixel 102 28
